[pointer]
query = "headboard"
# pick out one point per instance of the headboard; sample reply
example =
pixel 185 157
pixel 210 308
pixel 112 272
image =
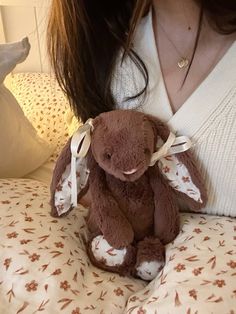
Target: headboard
pixel 21 18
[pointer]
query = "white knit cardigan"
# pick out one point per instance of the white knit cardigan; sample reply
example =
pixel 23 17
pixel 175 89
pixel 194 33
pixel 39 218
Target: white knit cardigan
pixel 208 116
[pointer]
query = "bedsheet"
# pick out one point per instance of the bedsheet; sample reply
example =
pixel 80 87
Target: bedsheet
pixel 44 267
pixel 43 264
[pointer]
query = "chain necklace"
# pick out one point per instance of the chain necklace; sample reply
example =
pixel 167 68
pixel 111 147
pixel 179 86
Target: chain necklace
pixel 183 61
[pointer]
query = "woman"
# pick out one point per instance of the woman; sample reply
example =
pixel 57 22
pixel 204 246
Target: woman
pixel 172 59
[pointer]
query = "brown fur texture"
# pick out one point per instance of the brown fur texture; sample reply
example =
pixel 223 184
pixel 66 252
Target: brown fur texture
pixel 139 209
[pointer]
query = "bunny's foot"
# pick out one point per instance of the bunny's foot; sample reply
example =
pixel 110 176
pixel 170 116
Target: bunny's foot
pixel 108 258
pixel 150 258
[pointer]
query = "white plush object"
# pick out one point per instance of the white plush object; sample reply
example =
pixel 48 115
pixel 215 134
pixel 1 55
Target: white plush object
pixel 11 54
pixel 21 149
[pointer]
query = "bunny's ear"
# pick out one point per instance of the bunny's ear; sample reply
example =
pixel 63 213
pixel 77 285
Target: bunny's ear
pixel 60 188
pixel 180 170
pixel 160 129
pixel 183 176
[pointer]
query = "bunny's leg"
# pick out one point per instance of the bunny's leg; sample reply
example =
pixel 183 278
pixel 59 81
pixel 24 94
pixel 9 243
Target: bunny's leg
pixel 104 256
pixel 150 258
pixel 144 261
pixel 166 215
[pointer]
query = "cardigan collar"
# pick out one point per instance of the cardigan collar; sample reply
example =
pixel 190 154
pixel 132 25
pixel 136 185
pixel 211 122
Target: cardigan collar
pixel 206 98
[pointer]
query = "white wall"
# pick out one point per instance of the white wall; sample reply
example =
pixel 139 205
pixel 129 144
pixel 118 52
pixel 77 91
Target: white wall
pixel 20 18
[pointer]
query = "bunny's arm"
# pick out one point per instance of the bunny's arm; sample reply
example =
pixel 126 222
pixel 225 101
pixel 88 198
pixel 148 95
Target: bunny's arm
pixel 166 214
pixel 110 219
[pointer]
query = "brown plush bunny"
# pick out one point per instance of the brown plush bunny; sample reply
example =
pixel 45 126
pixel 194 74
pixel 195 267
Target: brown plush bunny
pixel 134 209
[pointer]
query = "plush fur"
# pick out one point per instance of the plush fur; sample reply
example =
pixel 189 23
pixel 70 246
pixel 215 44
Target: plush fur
pixel 132 204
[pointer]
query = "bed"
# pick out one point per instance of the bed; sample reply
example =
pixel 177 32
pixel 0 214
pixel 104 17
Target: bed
pixel 43 262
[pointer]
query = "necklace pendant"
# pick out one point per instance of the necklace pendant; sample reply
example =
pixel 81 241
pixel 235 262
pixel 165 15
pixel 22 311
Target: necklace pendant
pixel 183 63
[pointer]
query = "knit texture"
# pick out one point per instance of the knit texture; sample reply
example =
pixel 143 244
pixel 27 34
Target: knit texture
pixel 208 117
pixel 216 153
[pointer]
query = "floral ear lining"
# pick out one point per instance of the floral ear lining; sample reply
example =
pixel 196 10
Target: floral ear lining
pixel 178 177
pixel 62 197
pixel 75 176
pixel 175 172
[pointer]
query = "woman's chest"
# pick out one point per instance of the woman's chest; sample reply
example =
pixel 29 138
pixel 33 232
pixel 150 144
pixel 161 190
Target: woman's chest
pixel 179 84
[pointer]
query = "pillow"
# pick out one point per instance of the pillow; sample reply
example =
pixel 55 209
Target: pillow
pixel 47 108
pixel 45 105
pixel 21 149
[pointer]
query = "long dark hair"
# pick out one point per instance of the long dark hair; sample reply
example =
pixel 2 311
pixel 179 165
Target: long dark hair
pixel 86 36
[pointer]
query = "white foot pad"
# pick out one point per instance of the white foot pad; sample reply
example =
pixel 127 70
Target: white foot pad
pixel 149 270
pixel 102 251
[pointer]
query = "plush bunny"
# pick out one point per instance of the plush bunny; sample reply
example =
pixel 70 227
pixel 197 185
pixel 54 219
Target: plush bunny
pixel 138 171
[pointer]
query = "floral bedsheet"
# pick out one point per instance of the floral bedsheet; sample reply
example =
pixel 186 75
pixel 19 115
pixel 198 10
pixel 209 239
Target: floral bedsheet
pixel 44 267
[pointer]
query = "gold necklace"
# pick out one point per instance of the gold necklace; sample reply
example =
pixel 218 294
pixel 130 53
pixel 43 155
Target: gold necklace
pixel 183 61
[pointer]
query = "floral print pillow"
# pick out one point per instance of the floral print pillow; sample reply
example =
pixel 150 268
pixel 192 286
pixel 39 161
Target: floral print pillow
pixel 45 105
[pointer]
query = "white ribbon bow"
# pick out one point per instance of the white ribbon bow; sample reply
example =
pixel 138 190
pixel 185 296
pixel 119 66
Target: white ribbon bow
pixel 173 145
pixel 82 136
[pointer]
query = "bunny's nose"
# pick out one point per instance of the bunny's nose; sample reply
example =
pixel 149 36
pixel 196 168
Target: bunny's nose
pixel 130 171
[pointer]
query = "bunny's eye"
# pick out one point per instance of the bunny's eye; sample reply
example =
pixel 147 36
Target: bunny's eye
pixel 147 151
pixel 107 156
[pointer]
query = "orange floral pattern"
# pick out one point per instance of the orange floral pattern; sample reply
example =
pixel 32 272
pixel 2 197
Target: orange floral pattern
pixel 199 275
pixel 178 176
pixel 44 266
